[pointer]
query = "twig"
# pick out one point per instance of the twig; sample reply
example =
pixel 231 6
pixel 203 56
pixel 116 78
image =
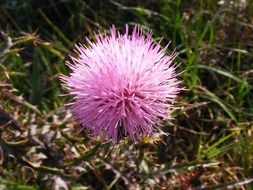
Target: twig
pixel 5 117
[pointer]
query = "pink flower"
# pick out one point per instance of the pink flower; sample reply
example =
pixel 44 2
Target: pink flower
pixel 122 84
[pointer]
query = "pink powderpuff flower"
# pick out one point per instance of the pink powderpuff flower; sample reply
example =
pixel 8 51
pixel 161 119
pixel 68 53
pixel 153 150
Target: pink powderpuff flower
pixel 122 84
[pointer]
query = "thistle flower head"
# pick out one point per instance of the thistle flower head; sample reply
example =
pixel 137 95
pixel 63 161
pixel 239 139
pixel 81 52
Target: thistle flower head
pixel 122 84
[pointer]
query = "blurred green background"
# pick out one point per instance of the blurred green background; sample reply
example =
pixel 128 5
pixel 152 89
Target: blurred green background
pixel 209 143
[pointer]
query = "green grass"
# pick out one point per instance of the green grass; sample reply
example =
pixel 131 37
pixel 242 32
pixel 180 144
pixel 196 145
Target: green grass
pixel 209 144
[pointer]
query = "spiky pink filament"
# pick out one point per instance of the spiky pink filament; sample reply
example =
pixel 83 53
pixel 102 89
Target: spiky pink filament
pixel 122 82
